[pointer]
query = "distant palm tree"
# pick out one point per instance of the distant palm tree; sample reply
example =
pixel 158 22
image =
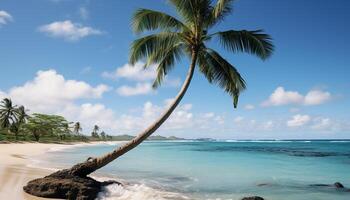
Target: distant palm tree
pixel 21 118
pixel 187 36
pixel 95 131
pixel 22 115
pixel 8 113
pixel 77 128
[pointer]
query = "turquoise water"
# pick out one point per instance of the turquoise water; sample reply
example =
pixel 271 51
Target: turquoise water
pixel 223 170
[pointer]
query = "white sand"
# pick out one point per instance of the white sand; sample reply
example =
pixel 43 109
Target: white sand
pixel 14 172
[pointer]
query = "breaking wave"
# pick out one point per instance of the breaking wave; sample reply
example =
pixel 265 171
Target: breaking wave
pixel 137 192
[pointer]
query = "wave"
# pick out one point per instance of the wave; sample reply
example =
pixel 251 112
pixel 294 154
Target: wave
pixel 258 141
pixel 68 146
pixel 137 192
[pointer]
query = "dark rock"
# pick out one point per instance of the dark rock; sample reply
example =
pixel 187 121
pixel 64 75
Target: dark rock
pixel 320 185
pixel 338 185
pixel 253 198
pixel 264 184
pixel 64 184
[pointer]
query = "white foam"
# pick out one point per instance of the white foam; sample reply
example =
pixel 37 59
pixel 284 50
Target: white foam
pixel 138 192
pixel 65 147
pixel 340 141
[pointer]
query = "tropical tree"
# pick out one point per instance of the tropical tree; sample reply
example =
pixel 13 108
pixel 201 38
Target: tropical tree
pixel 77 128
pixel 21 118
pixel 103 135
pixel 95 131
pixel 41 124
pixel 189 35
pixel 8 113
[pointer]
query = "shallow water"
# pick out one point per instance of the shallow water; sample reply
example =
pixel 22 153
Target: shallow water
pixel 221 170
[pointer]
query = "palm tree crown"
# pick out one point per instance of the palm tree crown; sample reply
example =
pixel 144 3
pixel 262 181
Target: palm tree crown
pixel 77 128
pixel 8 113
pixel 22 115
pixel 96 129
pixel 189 36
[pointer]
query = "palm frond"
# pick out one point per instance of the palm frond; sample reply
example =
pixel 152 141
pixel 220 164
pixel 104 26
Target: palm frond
pixel 221 9
pixel 253 42
pixel 147 46
pixel 193 12
pixel 166 62
pixel 217 70
pixel 148 20
pixel 185 8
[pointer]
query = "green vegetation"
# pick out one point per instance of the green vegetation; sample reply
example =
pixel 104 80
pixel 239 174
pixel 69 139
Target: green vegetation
pixel 17 125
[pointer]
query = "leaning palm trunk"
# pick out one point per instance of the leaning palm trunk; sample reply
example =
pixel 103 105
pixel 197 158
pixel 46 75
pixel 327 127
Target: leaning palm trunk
pixel 94 164
pixel 188 36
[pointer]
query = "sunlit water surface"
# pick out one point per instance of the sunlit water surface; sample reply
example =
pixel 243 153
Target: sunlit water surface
pixel 220 170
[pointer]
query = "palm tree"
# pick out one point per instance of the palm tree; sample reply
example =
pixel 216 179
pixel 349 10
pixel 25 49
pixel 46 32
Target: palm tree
pixel 187 35
pixel 95 131
pixel 21 118
pixel 77 128
pixel 8 113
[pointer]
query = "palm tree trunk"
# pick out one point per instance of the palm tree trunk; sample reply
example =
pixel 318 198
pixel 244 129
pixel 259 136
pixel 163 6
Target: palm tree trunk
pixel 92 165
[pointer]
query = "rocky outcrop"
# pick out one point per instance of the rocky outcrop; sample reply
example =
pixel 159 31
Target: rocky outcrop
pixel 66 185
pixel 338 185
pixel 253 198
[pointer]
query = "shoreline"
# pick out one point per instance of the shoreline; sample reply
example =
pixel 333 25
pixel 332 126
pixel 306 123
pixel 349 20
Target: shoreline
pixel 16 167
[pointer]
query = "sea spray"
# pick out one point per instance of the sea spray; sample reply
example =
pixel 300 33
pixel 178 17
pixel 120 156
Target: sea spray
pixel 137 192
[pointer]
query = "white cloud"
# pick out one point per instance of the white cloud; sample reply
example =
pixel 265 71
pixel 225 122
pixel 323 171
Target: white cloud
pixel 50 91
pixel 5 17
pixel 238 119
pixel 298 120
pixel 142 76
pixel 68 30
pixel 138 89
pixel 321 123
pixel 172 82
pixel 132 72
pixel 83 13
pixel 316 97
pixel 268 125
pixel 2 95
pixel 282 97
pixel 208 115
pixel 249 107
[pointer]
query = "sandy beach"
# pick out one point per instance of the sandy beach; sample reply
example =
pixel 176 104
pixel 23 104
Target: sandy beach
pixel 15 170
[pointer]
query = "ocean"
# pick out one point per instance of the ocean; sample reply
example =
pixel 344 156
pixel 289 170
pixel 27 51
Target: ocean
pixel 218 170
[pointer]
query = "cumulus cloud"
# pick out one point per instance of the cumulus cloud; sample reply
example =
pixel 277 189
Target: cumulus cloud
pixel 249 107
pixel 138 89
pixel 68 30
pixel 298 120
pixel 238 119
pixel 321 123
pixel 132 72
pixel 282 97
pixel 49 91
pixel 316 97
pixel 5 17
pixel 142 76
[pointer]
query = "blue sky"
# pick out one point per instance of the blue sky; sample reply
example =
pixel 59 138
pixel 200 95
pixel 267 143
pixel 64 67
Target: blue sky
pixel 70 57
